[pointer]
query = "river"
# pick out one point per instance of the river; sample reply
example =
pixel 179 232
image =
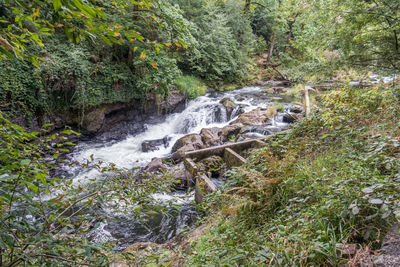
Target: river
pixel 203 112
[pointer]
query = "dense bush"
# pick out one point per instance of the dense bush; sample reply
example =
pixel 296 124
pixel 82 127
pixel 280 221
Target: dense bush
pixel 21 88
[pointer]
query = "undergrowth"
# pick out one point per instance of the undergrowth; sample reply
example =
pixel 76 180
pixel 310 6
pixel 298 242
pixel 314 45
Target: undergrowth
pixel 332 180
pixel 191 86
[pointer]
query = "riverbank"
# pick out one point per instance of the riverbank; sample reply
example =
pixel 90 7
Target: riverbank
pixel 326 192
pixel 235 112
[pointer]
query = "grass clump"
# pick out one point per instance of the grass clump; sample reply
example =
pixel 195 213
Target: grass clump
pixel 191 86
pixel 333 179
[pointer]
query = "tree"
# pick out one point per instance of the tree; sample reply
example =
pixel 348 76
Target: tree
pixel 363 34
pixel 26 22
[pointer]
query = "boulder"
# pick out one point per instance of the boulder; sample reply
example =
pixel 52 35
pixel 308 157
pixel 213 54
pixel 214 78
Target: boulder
pixel 229 106
pixel 178 173
pixel 155 165
pixel 185 144
pixel 210 136
pixel 189 141
pixel 153 145
pixel 175 102
pixel 259 116
pixel 228 131
pixel 297 109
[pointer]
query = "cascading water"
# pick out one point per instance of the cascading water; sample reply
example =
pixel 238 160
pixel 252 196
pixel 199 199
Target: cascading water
pixel 203 112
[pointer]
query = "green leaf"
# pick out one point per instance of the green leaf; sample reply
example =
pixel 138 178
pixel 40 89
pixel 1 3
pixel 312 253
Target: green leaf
pixel 32 187
pixel 25 162
pixel 57 4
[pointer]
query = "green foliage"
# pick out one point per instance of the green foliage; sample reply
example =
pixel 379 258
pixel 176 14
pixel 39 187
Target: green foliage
pixel 45 220
pixel 22 23
pixel 191 86
pixel 21 88
pixel 279 107
pixel 224 41
pixel 298 200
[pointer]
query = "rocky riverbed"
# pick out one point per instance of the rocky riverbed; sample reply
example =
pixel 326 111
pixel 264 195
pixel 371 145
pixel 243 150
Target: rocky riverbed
pixel 214 119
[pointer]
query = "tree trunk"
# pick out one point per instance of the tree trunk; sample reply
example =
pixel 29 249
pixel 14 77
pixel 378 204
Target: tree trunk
pixel 271 47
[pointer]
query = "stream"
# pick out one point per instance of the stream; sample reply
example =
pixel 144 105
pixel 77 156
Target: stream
pixel 203 112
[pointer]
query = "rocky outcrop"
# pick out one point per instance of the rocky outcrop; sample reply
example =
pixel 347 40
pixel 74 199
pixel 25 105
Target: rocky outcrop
pixel 259 116
pixel 109 121
pixel 230 131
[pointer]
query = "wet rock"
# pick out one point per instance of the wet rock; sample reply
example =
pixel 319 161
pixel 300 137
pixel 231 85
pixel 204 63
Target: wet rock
pixel 261 130
pixel 155 165
pixel 175 102
pixel 237 111
pixel 231 130
pixel 211 136
pixel 153 145
pixel 185 144
pixel 259 116
pixel 178 173
pixel 290 117
pixel 296 109
pixel 190 141
pixel 229 105
pixel 93 120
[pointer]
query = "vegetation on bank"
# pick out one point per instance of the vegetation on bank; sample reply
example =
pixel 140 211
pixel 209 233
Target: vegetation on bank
pixel 332 180
pixel 214 44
